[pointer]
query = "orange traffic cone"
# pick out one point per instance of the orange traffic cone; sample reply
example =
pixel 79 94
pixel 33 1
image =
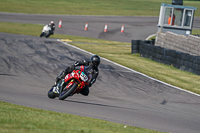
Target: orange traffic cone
pixel 86 26
pixel 105 28
pixel 60 24
pixel 122 29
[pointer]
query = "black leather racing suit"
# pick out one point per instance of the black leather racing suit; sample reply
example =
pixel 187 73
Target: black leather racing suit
pixel 52 28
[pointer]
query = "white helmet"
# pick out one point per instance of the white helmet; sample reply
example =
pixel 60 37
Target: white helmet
pixel 52 22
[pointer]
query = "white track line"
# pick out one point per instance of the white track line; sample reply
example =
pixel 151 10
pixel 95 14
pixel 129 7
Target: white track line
pixel 131 69
pixel 150 36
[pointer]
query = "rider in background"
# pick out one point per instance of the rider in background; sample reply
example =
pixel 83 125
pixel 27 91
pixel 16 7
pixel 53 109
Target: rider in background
pixel 94 63
pixel 52 26
pixel 46 34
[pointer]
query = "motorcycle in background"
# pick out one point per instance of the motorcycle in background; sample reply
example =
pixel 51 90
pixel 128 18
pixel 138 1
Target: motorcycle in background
pixel 46 32
pixel 73 83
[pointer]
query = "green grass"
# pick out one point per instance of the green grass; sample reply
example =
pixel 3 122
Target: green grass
pixel 20 119
pixel 196 31
pixel 89 7
pixel 118 52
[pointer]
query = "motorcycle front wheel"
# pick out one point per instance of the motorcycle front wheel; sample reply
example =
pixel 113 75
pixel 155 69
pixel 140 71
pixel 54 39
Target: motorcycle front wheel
pixel 64 93
pixel 42 34
pixel 51 94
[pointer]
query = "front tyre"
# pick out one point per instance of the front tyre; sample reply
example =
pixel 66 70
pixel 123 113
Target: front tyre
pixel 42 34
pixel 64 93
pixel 51 94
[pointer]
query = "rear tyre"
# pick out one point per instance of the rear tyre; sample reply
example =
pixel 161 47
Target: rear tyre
pixel 51 94
pixel 65 93
pixel 48 34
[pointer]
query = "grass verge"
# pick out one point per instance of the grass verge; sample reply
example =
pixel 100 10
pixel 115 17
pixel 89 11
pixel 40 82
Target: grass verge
pixel 196 31
pixel 20 119
pixel 120 53
pixel 89 7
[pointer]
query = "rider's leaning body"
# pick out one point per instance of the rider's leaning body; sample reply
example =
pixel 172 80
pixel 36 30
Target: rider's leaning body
pixel 93 63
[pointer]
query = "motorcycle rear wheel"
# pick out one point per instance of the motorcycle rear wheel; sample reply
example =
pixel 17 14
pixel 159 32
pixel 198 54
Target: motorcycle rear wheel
pixel 65 93
pixel 48 34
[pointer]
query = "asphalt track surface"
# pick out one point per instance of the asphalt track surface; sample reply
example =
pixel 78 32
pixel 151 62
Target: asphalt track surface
pixel 75 25
pixel 29 65
pixel 136 28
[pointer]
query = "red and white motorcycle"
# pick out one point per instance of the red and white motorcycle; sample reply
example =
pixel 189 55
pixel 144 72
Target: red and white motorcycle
pixel 73 83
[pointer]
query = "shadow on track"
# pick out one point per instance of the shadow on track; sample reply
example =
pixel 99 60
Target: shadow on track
pixel 97 104
pixel 8 74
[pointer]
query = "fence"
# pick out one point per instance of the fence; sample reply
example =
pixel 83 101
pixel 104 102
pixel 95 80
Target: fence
pixel 187 44
pixel 182 61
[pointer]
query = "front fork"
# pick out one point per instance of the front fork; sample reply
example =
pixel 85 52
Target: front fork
pixel 61 85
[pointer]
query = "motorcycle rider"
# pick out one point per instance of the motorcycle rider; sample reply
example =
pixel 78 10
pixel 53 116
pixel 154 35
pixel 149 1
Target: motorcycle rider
pixel 50 25
pixel 94 63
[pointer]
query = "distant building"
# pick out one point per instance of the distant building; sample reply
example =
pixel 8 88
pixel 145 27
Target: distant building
pixel 176 18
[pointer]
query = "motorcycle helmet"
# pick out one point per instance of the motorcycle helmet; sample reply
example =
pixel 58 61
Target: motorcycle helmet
pixel 95 60
pixel 52 23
